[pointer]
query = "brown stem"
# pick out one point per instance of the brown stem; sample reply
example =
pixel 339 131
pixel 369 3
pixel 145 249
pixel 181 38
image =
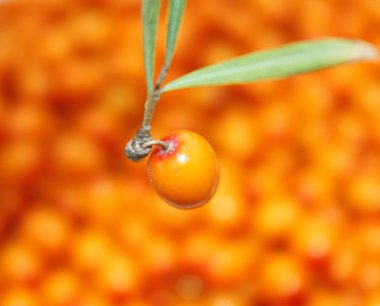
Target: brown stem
pixel 140 145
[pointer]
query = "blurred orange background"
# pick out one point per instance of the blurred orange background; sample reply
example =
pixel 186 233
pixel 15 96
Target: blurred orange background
pixel 296 218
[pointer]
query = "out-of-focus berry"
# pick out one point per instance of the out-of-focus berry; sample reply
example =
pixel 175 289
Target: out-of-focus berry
pixel 90 250
pixel 61 287
pixel 282 279
pixel 46 230
pixel 275 217
pixel 20 263
pixel 118 277
pixel 18 296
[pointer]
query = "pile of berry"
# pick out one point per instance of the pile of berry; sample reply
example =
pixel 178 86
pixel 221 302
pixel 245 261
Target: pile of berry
pixel 296 217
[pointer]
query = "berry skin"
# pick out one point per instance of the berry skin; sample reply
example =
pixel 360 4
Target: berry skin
pixel 186 174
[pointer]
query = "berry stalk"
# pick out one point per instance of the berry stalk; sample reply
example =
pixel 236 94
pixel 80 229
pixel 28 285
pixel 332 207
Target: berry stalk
pixel 141 144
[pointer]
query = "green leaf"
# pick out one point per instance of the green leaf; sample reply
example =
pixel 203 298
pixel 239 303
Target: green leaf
pixel 176 8
pixel 150 14
pixel 284 61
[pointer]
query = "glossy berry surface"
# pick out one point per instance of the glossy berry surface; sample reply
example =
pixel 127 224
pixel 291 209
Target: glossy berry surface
pixel 185 174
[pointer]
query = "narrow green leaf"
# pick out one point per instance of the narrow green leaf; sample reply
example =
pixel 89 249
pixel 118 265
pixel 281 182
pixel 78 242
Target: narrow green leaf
pixel 150 14
pixel 288 60
pixel 176 8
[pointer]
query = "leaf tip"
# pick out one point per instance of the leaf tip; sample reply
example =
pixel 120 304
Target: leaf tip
pixel 366 51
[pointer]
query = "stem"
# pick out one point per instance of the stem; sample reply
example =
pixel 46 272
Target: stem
pixel 140 145
pixel 162 76
pixel 149 107
pixel 152 100
pixel 163 144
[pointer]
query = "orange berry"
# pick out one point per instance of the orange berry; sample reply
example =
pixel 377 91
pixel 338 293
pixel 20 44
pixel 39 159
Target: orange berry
pixel 242 138
pixel 118 277
pixel 275 217
pixel 186 174
pixel 315 238
pixel 344 262
pixel 159 257
pixel 363 193
pixel 93 299
pixel 198 248
pixel 282 278
pixel 373 299
pixel 89 250
pixel 61 287
pixel 227 209
pixel 332 297
pixel 19 263
pixel 18 296
pixel 20 161
pixel 28 122
pixel 46 230
pixel 74 154
pixel 228 262
pixel 189 287
pixel 227 299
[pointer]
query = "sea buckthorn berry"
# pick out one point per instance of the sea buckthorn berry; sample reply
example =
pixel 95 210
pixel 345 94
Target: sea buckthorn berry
pixel 282 280
pixel 186 173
